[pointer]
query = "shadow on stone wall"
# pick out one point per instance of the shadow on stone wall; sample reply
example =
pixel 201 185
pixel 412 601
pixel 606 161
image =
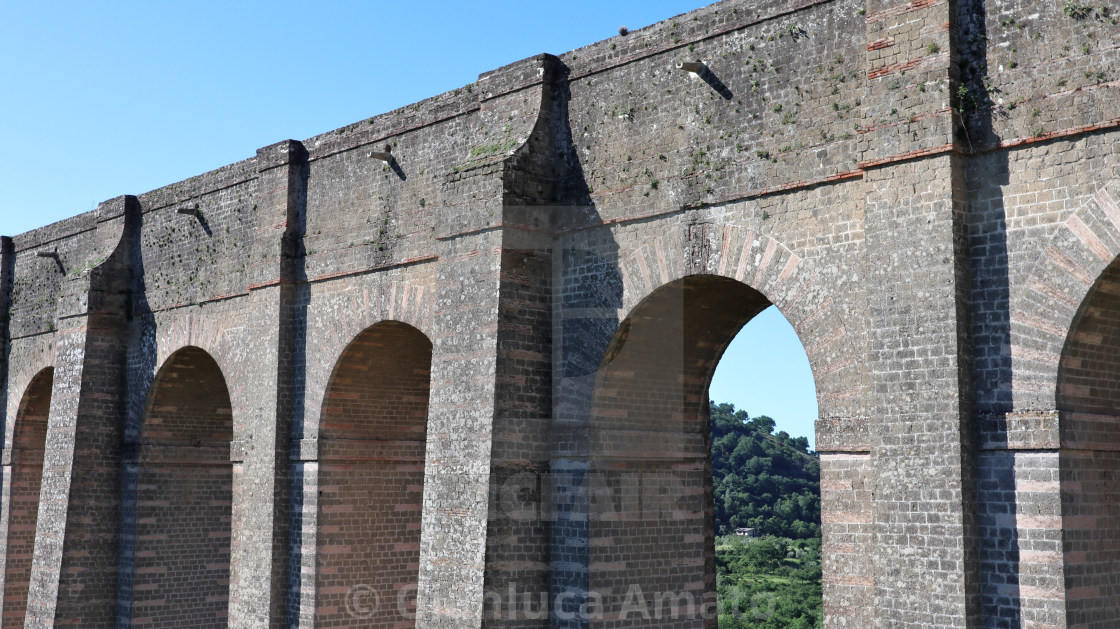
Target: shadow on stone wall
pixel 587 296
pixel 986 174
pixel 139 374
pixel 293 339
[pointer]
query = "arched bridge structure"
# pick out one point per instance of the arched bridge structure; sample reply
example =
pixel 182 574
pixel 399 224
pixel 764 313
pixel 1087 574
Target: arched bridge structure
pixel 448 366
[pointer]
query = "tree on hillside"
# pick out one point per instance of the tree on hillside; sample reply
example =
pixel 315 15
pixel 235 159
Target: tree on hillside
pixel 762 480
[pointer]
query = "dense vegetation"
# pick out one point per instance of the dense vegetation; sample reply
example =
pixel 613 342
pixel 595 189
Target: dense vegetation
pixel 769 482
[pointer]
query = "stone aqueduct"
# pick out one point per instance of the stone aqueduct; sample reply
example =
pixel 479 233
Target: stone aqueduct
pixel 423 368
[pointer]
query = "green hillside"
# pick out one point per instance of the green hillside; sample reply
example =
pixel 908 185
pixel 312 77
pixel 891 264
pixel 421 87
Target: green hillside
pixel 769 482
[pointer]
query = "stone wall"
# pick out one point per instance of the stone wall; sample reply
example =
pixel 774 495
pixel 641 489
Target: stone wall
pixel 464 346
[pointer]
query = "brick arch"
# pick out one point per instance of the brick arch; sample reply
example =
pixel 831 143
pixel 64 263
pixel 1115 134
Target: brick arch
pixel 752 257
pixel 1059 282
pixel 220 335
pixel 184 497
pixel 1087 395
pixel 1088 404
pixel 26 475
pixel 371 449
pixel 23 369
pixel 686 298
pixel 342 318
pixel 652 522
pixel 1088 379
pixel 1065 352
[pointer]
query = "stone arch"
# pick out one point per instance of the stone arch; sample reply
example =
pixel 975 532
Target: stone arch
pixel 1064 364
pixel 1088 406
pixel 652 514
pixel 752 257
pixel 1059 281
pixel 371 447
pixel 338 319
pixel 25 477
pixel 181 564
pixel 25 362
pixel 221 334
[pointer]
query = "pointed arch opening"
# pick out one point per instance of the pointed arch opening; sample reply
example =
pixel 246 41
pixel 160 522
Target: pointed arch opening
pixel 651 530
pixel 184 497
pixel 372 435
pixel 1088 400
pixel 28 442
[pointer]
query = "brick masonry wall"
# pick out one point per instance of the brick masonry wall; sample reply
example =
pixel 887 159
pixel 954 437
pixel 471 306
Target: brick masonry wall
pixel 193 257
pixel 927 190
pixel 1037 249
pixel 36 281
pixel 651 524
pixel 24 474
pixel 518 523
pixel 371 476
pixel 847 483
pixel 337 313
pixel 1089 372
pixel 916 342
pixel 1035 71
pixel 73 572
pixel 779 104
pixel 456 491
pixel 1021 548
pixel 183 500
pixel 1088 403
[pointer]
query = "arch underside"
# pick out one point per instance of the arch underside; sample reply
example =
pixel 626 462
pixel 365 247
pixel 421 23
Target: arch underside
pixel 23 494
pixel 651 528
pixel 373 428
pixel 1088 396
pixel 184 497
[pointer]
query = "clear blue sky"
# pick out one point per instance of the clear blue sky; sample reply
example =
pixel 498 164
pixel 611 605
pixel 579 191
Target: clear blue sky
pixel 765 372
pixel 100 99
